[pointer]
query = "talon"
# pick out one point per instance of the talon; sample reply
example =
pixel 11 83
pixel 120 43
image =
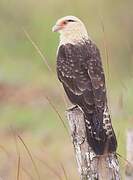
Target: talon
pixel 72 107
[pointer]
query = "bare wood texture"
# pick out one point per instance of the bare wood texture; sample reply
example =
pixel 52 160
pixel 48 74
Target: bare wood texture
pixel 90 166
pixel 129 167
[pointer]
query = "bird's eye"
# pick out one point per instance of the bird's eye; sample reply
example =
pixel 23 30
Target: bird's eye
pixel 70 20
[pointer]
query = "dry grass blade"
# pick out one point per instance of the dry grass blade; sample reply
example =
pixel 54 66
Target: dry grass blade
pixel 4 150
pixel 125 160
pixel 49 68
pixel 105 46
pixel 37 49
pixel 54 108
pixel 27 173
pixel 15 140
pixel 17 151
pixel 50 168
pixel 18 168
pixel 39 52
pixel 30 155
pixel 64 171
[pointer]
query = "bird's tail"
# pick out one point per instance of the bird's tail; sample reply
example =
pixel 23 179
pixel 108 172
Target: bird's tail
pixel 100 134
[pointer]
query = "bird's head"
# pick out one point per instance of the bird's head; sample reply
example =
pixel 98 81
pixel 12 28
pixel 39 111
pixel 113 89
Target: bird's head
pixel 71 29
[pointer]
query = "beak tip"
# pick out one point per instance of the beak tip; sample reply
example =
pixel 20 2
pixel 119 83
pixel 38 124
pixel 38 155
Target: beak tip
pixel 56 28
pixel 53 29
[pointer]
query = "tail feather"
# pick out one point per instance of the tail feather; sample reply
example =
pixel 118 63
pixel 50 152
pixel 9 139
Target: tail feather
pixel 100 134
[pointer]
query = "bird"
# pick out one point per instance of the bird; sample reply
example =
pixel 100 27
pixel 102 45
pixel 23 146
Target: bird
pixel 80 70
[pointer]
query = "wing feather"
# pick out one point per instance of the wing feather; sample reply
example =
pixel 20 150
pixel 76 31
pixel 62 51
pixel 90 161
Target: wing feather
pixel 96 74
pixel 79 67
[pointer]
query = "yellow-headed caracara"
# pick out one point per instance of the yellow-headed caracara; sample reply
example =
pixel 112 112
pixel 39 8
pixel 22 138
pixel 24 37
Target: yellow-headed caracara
pixel 80 71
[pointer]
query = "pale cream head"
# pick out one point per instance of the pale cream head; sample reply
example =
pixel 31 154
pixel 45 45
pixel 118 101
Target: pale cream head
pixel 71 29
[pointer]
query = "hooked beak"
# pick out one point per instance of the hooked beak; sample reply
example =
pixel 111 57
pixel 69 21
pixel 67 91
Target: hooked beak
pixel 56 28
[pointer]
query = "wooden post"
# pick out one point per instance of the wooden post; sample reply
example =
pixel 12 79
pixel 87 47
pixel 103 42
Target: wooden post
pixel 90 166
pixel 129 166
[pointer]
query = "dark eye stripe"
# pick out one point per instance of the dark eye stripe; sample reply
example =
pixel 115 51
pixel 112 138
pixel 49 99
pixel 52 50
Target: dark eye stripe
pixel 70 20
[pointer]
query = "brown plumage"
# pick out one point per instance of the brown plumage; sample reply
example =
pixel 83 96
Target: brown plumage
pixel 80 70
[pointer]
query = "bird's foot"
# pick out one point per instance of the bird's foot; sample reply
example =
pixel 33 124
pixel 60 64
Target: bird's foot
pixel 72 108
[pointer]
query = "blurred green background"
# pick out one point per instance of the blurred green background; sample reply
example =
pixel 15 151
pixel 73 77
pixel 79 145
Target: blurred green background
pixel 30 94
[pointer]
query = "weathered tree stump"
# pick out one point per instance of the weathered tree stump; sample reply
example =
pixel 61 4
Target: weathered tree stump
pixel 91 166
